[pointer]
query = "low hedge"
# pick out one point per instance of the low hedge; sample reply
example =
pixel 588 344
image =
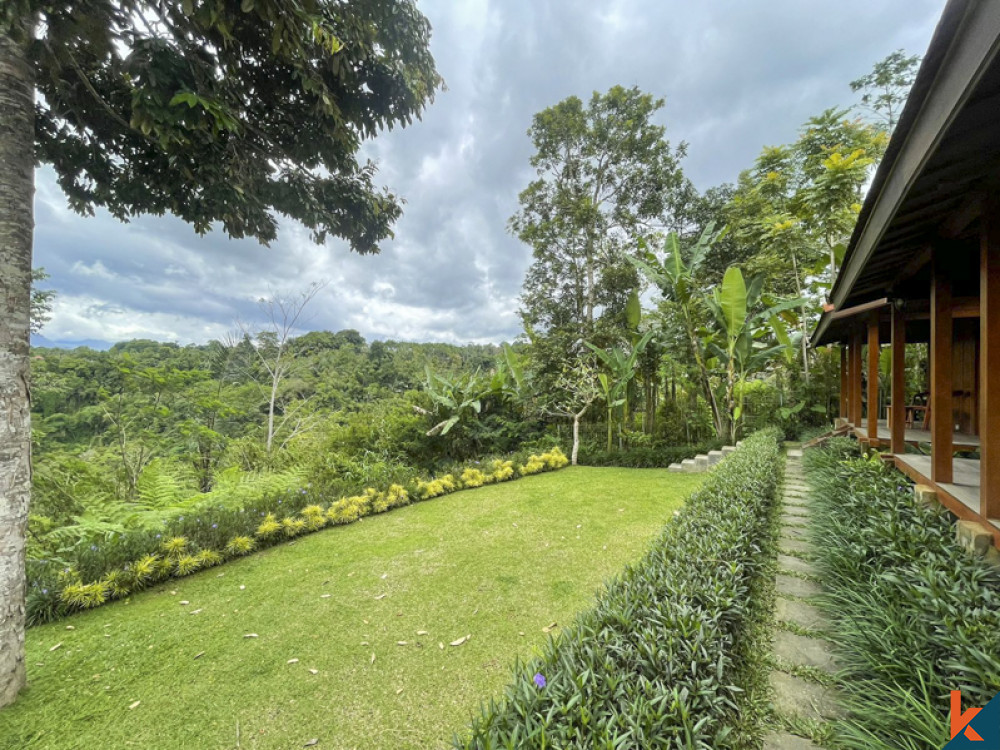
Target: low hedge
pixel 645 458
pixel 123 564
pixel 655 662
pixel 913 616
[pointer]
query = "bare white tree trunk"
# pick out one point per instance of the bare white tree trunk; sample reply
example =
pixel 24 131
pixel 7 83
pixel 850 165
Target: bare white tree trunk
pixel 17 180
pixel 576 437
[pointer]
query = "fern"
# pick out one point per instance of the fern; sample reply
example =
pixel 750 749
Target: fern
pixel 157 487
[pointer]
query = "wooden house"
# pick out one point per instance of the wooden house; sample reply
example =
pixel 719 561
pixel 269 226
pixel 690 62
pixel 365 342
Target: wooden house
pixel 923 265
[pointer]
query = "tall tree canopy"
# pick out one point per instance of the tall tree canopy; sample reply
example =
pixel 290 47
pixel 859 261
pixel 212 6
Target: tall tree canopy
pixel 216 111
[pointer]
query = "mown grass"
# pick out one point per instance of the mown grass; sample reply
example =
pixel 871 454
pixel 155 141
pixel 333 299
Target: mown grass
pixel 493 563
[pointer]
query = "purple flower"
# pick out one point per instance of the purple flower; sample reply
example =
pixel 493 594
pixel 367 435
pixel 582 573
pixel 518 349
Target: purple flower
pixel 540 679
pixel 181 518
pixel 93 548
pixel 215 525
pixel 159 535
pixel 45 591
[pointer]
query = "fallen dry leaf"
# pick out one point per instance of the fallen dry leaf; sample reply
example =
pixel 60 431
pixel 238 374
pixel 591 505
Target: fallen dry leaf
pixel 460 641
pixel 373 657
pixel 364 643
pixel 199 655
pixel 134 705
pixel 195 611
pixel 422 632
pixel 440 645
pixel 326 596
pixel 58 645
pixel 380 596
pixel 313 671
pixel 70 627
pixel 184 602
pixel 242 587
pixel 399 692
pixel 250 635
pixel 384 576
pixel 311 742
pixel 293 661
pixel 550 628
pixel 400 643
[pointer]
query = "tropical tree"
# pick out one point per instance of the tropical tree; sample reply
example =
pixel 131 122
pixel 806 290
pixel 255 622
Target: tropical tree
pixel 737 341
pixel 676 278
pixel 605 174
pixel 219 112
pixel 578 388
pixel 620 365
pixel 885 88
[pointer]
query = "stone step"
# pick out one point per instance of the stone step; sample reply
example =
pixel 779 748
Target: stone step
pixel 795 611
pixel 785 741
pixel 793 532
pixel 804 651
pixel 675 468
pixel 687 465
pixel 701 462
pixel 727 449
pixel 715 456
pixel 797 587
pixel 794 696
pixel 796 565
pixel 795 545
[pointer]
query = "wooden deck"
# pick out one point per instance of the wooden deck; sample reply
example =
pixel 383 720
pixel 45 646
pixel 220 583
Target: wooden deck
pixel 961 496
pixel 961 441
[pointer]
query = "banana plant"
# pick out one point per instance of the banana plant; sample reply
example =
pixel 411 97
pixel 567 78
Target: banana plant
pixel 456 399
pixel 737 339
pixel 675 277
pixel 621 366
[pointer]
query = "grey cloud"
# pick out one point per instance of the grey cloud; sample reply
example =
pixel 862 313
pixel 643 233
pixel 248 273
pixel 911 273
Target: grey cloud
pixel 736 76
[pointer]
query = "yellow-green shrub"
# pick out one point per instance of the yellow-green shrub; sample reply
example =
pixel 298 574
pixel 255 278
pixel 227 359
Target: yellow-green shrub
pixel 175 546
pixel 146 569
pixel 240 545
pixel 292 526
pixel 268 527
pixel 534 465
pixel 433 488
pixel 118 583
pixel 313 517
pixel 186 564
pixel 209 558
pixel 397 496
pixel 555 459
pixel 345 510
pixel 501 470
pixel 473 478
pixel 85 595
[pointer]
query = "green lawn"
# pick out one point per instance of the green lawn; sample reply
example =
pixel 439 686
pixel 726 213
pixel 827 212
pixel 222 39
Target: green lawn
pixel 498 564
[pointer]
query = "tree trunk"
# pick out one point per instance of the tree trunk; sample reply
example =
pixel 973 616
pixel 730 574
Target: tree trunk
pixel 17 185
pixel 802 323
pixel 576 438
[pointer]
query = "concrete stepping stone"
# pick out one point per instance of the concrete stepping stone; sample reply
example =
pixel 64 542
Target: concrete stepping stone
pixel 795 565
pixel 794 453
pixel 796 611
pixel 795 545
pixel 799 511
pixel 794 696
pixel 804 651
pixel 715 457
pixel 701 463
pixel 727 449
pixel 675 468
pixel 688 466
pixel 792 586
pixel 793 532
pixel 785 741
pixel 789 521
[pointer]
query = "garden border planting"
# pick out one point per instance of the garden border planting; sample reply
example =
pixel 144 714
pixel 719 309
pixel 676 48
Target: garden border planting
pixel 913 616
pixel 655 662
pixel 130 562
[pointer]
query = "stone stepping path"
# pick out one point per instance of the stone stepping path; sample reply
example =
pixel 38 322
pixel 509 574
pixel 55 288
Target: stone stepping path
pixel 800 650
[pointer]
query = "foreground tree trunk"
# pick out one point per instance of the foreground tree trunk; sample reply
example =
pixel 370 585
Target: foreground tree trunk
pixel 16 224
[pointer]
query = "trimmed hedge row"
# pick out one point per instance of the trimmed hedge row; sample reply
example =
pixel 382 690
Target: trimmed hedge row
pixel 654 663
pixel 914 617
pixel 136 560
pixel 645 458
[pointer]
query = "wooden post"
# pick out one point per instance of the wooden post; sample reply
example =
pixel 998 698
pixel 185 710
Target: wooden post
pixel 897 393
pixel 844 385
pixel 874 349
pixel 941 379
pixel 989 363
pixel 856 379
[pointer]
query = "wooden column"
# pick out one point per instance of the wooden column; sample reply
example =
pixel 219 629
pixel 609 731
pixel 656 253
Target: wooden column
pixel 856 379
pixel 941 380
pixel 874 349
pixel 844 385
pixel 989 363
pixel 897 393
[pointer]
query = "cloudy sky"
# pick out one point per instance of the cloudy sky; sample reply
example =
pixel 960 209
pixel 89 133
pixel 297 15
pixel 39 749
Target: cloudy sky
pixel 736 75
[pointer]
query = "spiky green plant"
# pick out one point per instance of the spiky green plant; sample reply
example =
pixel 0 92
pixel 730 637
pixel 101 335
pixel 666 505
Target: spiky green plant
pixel 240 545
pixel 268 527
pixel 84 595
pixel 186 565
pixel 175 546
pixel 292 527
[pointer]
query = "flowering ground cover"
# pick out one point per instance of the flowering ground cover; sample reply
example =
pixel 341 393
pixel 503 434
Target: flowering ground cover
pixel 344 636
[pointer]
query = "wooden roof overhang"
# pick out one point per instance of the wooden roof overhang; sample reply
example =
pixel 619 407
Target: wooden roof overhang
pixel 929 190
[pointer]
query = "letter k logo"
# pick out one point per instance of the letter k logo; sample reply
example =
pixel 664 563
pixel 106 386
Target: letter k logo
pixel 960 721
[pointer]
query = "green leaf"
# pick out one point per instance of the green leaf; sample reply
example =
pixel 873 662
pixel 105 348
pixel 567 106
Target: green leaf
pixel 733 301
pixel 633 310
